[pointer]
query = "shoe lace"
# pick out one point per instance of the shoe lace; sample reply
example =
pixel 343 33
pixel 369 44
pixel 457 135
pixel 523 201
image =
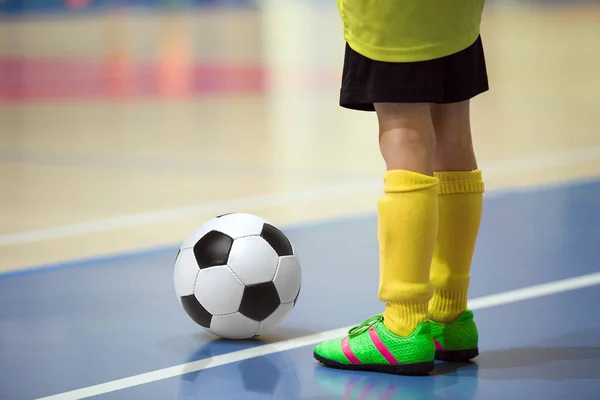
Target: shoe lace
pixel 371 322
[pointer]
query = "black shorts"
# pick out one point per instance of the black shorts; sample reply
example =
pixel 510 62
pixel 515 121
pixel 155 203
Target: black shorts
pixel 451 79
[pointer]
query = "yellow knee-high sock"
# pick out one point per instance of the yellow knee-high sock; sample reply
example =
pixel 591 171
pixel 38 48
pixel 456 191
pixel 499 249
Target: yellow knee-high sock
pixel 407 232
pixel 460 208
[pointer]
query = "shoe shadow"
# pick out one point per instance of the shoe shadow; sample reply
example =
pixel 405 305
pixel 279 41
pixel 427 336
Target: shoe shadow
pixel 455 369
pixel 456 380
pixel 553 363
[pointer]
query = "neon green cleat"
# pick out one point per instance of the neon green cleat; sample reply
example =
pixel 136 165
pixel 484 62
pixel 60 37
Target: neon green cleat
pixel 456 341
pixel 372 347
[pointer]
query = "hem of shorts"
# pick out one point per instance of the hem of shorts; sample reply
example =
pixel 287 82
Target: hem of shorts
pixel 346 102
pixel 413 54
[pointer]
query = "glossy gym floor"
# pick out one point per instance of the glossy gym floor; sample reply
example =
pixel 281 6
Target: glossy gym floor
pixel 123 126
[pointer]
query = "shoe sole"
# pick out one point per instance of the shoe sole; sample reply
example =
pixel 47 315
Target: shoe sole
pixel 456 355
pixel 422 368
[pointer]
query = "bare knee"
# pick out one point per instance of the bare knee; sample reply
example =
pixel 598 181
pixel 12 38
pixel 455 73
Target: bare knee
pixel 454 144
pixel 406 136
pixel 452 122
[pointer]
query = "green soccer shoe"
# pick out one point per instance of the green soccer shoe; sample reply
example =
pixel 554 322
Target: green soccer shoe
pixel 456 341
pixel 372 347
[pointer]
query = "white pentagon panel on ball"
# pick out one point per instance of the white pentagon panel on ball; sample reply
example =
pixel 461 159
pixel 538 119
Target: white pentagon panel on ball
pixel 275 319
pixel 185 273
pixel 233 326
pixel 218 290
pixel 253 260
pixel 288 278
pixel 239 224
pixel 202 230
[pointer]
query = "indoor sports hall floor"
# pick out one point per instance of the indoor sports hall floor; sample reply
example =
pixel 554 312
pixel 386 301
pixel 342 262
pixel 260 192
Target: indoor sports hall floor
pixel 123 129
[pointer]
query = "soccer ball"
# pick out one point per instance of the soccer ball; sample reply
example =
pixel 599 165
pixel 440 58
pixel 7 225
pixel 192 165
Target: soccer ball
pixel 237 276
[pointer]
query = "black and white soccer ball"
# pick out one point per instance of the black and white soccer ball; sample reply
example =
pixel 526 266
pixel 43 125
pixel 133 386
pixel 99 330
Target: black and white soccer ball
pixel 237 276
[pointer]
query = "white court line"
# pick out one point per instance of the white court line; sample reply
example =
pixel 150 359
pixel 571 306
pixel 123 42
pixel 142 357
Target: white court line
pixel 508 297
pixel 343 190
pixel 186 212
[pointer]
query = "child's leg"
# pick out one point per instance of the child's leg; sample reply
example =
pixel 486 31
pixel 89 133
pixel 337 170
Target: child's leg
pixel 406 136
pixel 407 213
pixel 399 341
pixel 454 150
pixel 460 209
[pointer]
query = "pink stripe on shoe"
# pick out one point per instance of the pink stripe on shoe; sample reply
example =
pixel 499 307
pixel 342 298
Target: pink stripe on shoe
pixel 381 347
pixel 438 346
pixel 348 352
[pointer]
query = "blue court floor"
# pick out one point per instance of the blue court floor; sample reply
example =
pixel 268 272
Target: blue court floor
pixel 74 326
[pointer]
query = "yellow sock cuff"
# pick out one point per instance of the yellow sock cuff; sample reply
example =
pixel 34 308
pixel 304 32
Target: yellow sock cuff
pixel 453 182
pixel 399 181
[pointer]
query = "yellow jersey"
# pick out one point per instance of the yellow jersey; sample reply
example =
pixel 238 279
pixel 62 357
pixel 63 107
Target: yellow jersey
pixel 410 30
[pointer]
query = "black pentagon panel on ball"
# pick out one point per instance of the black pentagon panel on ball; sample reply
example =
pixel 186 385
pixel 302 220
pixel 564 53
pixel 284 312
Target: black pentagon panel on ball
pixel 212 249
pixel 277 239
pixel 259 301
pixel 222 215
pixel 195 310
